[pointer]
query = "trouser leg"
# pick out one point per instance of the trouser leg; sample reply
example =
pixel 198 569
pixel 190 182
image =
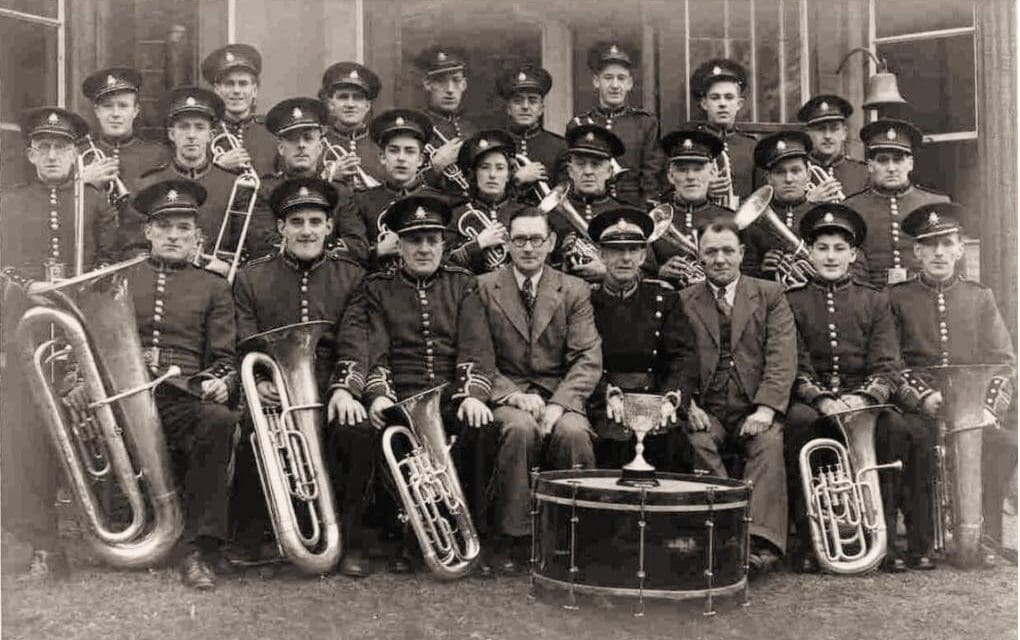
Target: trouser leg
pixel 516 455
pixel 571 443
pixel 764 467
pixel 352 459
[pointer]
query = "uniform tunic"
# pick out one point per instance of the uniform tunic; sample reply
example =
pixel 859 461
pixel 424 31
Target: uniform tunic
pixel 739 146
pixel 886 247
pixel 136 157
pixel 587 207
pixel 690 219
pixel 850 172
pixel 466 252
pixel 372 203
pixel 539 145
pixel 639 131
pixel 256 139
pixel 357 141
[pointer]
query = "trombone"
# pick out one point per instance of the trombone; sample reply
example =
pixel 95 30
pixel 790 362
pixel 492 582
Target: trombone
pixel 452 172
pixel 116 191
pixel 333 154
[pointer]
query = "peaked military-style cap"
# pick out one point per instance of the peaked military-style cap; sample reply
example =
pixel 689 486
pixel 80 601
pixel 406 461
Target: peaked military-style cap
pixel 295 113
pixel 303 192
pixel 232 57
pixel 594 140
pixel 189 100
pixel 170 196
pixel 420 212
pixel 351 74
pixel 111 80
pixel 934 219
pixel 780 146
pixel 830 216
pixel 891 135
pixel 482 143
pixel 824 108
pixel 691 144
pixel 621 226
pixel 396 121
pixel 523 78
pixel 52 121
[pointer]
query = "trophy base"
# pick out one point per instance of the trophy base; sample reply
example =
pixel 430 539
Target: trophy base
pixel 638 478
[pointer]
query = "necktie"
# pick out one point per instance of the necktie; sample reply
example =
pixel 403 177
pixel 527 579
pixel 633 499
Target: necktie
pixel 528 296
pixel 725 308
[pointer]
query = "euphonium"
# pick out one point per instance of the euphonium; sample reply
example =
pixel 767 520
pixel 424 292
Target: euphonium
pixel 470 224
pixel 757 210
pixel 120 435
pixel 582 250
pixel 116 191
pixel 248 181
pixel 662 215
pixel 722 166
pixel 286 442
pixel 820 175
pixel 452 172
pixel 844 503
pixel 334 153
pixel 427 484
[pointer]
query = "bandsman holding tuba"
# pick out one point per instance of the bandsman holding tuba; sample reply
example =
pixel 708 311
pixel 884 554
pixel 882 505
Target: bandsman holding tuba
pixel 834 173
pixel 849 358
pixel 347 91
pixel 306 283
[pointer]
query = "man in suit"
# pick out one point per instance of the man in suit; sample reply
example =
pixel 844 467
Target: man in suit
pixel 747 343
pixel 548 351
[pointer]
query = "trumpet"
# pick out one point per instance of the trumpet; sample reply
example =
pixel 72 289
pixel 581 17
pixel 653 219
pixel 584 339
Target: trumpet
pixel 581 250
pixel 757 210
pixel 288 453
pixel 820 175
pixel 428 486
pixel 452 172
pixel 686 247
pixel 844 503
pixel 333 154
pixel 471 223
pixel 722 166
pixel 116 191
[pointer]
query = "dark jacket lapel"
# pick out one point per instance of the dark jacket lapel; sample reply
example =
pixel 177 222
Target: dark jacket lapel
pixel 508 297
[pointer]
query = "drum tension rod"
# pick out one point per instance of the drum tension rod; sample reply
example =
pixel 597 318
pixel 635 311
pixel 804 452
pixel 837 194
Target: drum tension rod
pixel 747 544
pixel 641 556
pixel 572 602
pixel 709 571
pixel 533 560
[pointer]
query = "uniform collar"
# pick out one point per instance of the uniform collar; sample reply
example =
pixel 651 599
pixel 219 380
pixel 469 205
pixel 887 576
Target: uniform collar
pixel 357 132
pixel 790 205
pixel 618 294
pixel 587 199
pixel 302 265
pixel 492 205
pixel 686 206
pixel 835 162
pixel 404 190
pixel 119 143
pixel 833 285
pixel 610 112
pixel 162 266
pixel 887 193
pixel 419 283
pixel 719 131
pixel 449 117
pixel 526 133
pixel 192 174
pixel 934 285
pixel 234 125
pixel 62 186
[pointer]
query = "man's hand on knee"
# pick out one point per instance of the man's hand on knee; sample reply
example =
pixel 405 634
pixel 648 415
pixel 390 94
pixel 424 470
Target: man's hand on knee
pixel 474 413
pixel 345 409
pixel 375 411
pixel 552 413
pixel 758 422
pixel 699 420
pixel 529 402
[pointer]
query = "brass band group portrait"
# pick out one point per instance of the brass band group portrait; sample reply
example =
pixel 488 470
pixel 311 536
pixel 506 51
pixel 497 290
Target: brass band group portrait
pixel 629 361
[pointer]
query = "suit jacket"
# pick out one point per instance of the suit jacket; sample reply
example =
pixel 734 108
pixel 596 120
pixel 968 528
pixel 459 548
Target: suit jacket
pixel 560 353
pixel 763 339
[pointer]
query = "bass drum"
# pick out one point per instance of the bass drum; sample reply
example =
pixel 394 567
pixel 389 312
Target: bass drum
pixel 686 538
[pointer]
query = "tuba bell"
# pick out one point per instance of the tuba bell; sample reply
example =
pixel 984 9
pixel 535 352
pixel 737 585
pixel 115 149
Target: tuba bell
pixel 286 442
pixel 428 487
pixel 582 250
pixel 756 210
pixel 685 246
pixel 844 503
pixel 119 436
pixel 472 222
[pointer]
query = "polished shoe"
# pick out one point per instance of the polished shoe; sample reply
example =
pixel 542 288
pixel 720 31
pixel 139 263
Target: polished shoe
pixel 894 565
pixel 195 573
pixel 400 563
pixel 922 563
pixel 989 561
pixel 484 568
pixel 355 564
pixel 48 564
pixel 508 566
pixel 763 561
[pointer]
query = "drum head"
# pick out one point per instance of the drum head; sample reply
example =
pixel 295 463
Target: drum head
pixel 676 492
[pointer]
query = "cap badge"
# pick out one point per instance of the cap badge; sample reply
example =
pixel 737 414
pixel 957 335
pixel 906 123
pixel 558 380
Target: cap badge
pixel 590 137
pixel 303 192
pixel 53 119
pixel 419 214
pixel 521 77
pixel 190 101
pixel 110 81
pixel 613 50
pixel 171 195
pixel 354 75
pixel 933 218
pixel 296 113
pixel 441 56
pixel 828 217
pixel 824 106
pixel 483 144
pixel 716 70
pixel 688 144
pixel 229 57
pixel 399 121
pixel 890 134
pixel 781 145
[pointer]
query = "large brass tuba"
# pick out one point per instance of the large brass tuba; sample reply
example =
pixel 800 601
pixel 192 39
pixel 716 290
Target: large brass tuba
pixel 427 484
pixel 286 442
pixel 684 245
pixel 844 503
pixel 95 329
pixel 957 495
pixel 472 222
pixel 756 210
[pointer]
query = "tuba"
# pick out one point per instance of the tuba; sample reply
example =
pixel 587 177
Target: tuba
pixel 119 437
pixel 582 250
pixel 756 211
pixel 844 503
pixel 685 246
pixel 820 175
pixel 470 224
pixel 286 442
pixel 334 153
pixel 452 172
pixel 427 484
pixel 116 191
pixel 957 487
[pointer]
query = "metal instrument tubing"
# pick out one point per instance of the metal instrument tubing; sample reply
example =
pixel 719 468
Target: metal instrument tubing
pixel 171 372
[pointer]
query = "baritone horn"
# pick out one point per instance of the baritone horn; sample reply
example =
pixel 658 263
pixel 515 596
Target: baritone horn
pixel 844 503
pixel 287 444
pixel 757 210
pixel 334 153
pixel 581 250
pixel 684 245
pixel 116 191
pixel 118 435
pixel 820 175
pixel 472 222
pixel 427 484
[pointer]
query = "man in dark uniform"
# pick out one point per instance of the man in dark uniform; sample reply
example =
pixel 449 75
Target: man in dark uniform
pixel 233 71
pixel 426 327
pixel 945 319
pixel 824 119
pixel 114 96
pixel 889 147
pixel 305 283
pixel 647 343
pixel 190 114
pixel 445 83
pixel 690 153
pixel 718 85
pixel 848 359
pixel 348 90
pixel 612 71
pixel 538 151
pixel 37 244
pixel 297 124
pixel 185 318
pixel 487 160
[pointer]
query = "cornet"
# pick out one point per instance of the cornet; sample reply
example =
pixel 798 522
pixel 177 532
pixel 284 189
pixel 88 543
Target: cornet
pixel 472 222
pixel 452 172
pixel 722 167
pixel 685 246
pixel 333 154
pixel 820 175
pixel 116 191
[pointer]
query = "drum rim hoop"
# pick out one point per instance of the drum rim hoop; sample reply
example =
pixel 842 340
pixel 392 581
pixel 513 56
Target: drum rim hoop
pixel 737 490
pixel 664 594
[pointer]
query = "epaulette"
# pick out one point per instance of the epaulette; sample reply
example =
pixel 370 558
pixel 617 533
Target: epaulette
pixel 929 190
pixel 261 260
pixel 153 170
pixel 857 193
pixel 258 118
pixel 384 274
pixel 910 279
pixel 871 285
pixel 661 283
pixel 343 256
pixel 640 111
pixel 974 283
pixel 796 286
pixel 452 268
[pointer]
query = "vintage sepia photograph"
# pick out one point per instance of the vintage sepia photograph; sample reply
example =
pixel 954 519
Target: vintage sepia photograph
pixel 528 320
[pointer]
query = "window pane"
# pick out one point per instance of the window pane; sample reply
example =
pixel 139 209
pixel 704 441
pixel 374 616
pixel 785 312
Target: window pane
pixel 45 8
pixel 894 17
pixel 937 78
pixel 793 61
pixel 12 160
pixel 28 68
pixel 707 19
pixel 768 81
pixel 740 18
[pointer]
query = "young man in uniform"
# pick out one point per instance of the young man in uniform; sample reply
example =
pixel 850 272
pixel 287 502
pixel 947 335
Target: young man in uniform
pixel 348 89
pixel 824 119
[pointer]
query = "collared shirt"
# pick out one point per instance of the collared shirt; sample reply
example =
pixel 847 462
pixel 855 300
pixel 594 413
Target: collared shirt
pixel 731 291
pixel 520 277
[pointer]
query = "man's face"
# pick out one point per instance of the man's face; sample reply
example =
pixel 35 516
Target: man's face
pixel 589 174
pixel 304 232
pixel 690 178
pixel 790 179
pixel 52 156
pixel 722 102
pixel 827 138
pixel 300 149
pixel 525 108
pixel 622 264
pixel 238 90
pixel 492 173
pixel 116 114
pixel 190 136
pixel 445 91
pixel 613 84
pixel 721 254
pixel 349 105
pixel 831 255
pixel 173 237
pixel 401 157
pixel 538 241
pixel 890 169
pixel 421 252
pixel 938 255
